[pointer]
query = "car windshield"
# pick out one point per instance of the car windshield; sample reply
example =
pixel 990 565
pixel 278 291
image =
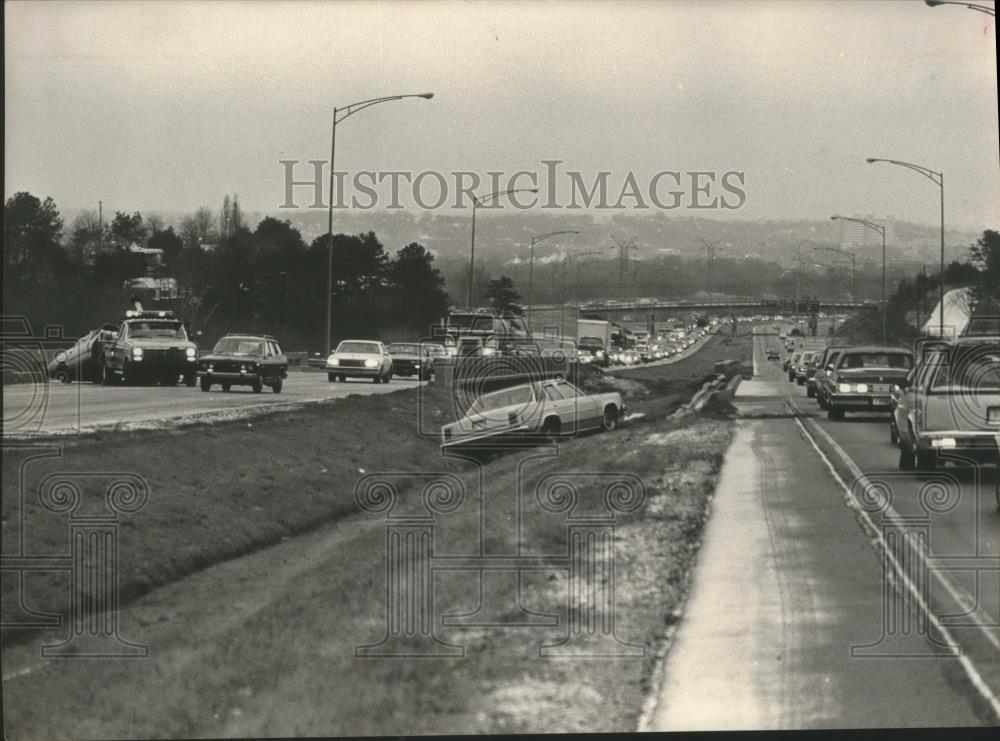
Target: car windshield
pixel 161 329
pixel 965 370
pixel 516 396
pixel 365 348
pixel 591 342
pixel 895 360
pixel 404 348
pixel 239 346
pixel 436 350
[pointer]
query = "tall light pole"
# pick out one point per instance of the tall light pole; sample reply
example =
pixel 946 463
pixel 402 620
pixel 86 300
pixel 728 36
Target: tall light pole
pixel 710 248
pixel 798 278
pixel 339 114
pixel 478 201
pixel 531 261
pixel 938 179
pixel 854 276
pixel 562 308
pixel 971 6
pixel 881 230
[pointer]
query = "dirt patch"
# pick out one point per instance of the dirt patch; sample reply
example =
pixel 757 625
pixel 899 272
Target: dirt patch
pixel 217 491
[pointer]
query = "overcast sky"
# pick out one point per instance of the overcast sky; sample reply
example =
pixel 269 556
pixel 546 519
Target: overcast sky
pixel 170 106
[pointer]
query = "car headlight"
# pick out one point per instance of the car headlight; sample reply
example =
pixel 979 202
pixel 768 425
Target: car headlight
pixel 599 354
pixel 371 363
pixel 333 361
pixel 944 442
pixel 243 368
pixel 137 353
pixel 210 368
pixel 191 352
pixel 861 388
pixel 844 388
pixel 489 351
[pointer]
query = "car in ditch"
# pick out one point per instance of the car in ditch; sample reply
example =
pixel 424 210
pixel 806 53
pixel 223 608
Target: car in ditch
pixel 863 379
pixel 244 360
pixel 366 359
pixel 149 346
pixel 412 359
pixel 550 411
pixel 948 406
pixel 82 360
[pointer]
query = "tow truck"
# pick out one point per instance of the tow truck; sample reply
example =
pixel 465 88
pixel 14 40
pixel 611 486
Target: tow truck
pixel 145 346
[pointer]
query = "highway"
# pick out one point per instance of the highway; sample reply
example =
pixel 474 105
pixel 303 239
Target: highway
pixel 866 610
pixel 56 408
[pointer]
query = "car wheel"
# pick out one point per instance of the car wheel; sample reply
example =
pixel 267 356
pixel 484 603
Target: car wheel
pixel 226 387
pixel 206 384
pixel 906 461
pixel 893 437
pixel 834 413
pixel 330 377
pixel 276 386
pixel 258 384
pixel 106 376
pixel 126 376
pixel 388 377
pixel 822 402
pixel 343 379
pixel 610 420
pixel 810 392
pixel 190 379
pixel 62 375
pixel 551 430
pixel 926 460
pixel 377 379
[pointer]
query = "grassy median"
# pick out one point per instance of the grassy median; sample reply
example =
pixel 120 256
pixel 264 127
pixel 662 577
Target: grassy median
pixel 218 491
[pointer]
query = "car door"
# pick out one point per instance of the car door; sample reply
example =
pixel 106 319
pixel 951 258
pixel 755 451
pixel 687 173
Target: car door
pixel 556 403
pixel 585 408
pixel 280 361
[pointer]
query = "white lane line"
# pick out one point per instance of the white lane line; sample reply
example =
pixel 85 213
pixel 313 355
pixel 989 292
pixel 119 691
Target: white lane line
pixel 960 596
pixel 898 571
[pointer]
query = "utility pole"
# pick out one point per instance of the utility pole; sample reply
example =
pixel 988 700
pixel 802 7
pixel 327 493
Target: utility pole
pixel 100 227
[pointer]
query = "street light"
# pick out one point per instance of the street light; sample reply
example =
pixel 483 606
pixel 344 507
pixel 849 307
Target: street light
pixel 881 230
pixel 562 309
pixel 938 179
pixel 478 201
pixel 339 114
pixel 854 276
pixel 531 261
pixel 971 6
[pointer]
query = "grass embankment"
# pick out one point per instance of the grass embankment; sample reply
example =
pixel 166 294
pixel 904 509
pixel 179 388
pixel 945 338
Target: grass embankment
pixel 221 490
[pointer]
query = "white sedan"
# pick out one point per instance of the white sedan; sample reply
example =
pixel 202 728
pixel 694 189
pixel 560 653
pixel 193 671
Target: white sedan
pixel 550 410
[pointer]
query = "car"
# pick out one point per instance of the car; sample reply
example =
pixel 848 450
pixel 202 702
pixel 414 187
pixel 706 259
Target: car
pixel 826 364
pixel 863 377
pixel 772 354
pixel 244 360
pixel 793 361
pixel 818 368
pixel 82 359
pixel 548 410
pixel 412 359
pixel 359 359
pixel 149 346
pixel 948 406
pixel 806 366
pixel 593 347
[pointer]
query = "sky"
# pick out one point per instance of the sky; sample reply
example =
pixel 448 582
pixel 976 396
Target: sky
pixel 169 106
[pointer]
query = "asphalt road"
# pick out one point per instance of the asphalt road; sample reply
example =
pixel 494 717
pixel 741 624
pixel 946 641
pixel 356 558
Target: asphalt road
pixel 798 619
pixel 65 408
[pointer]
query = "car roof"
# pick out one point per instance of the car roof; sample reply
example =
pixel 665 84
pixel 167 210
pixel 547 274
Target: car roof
pixel 249 337
pixel 878 349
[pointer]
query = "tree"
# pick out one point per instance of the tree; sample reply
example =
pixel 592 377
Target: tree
pixel 418 297
pixel 86 234
pixel 31 228
pixel 171 244
pixel 196 230
pixel 503 297
pixel 128 228
pixel 986 258
pixel 154 223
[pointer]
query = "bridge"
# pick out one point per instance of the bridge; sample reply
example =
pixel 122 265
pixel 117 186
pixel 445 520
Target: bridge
pixel 644 309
